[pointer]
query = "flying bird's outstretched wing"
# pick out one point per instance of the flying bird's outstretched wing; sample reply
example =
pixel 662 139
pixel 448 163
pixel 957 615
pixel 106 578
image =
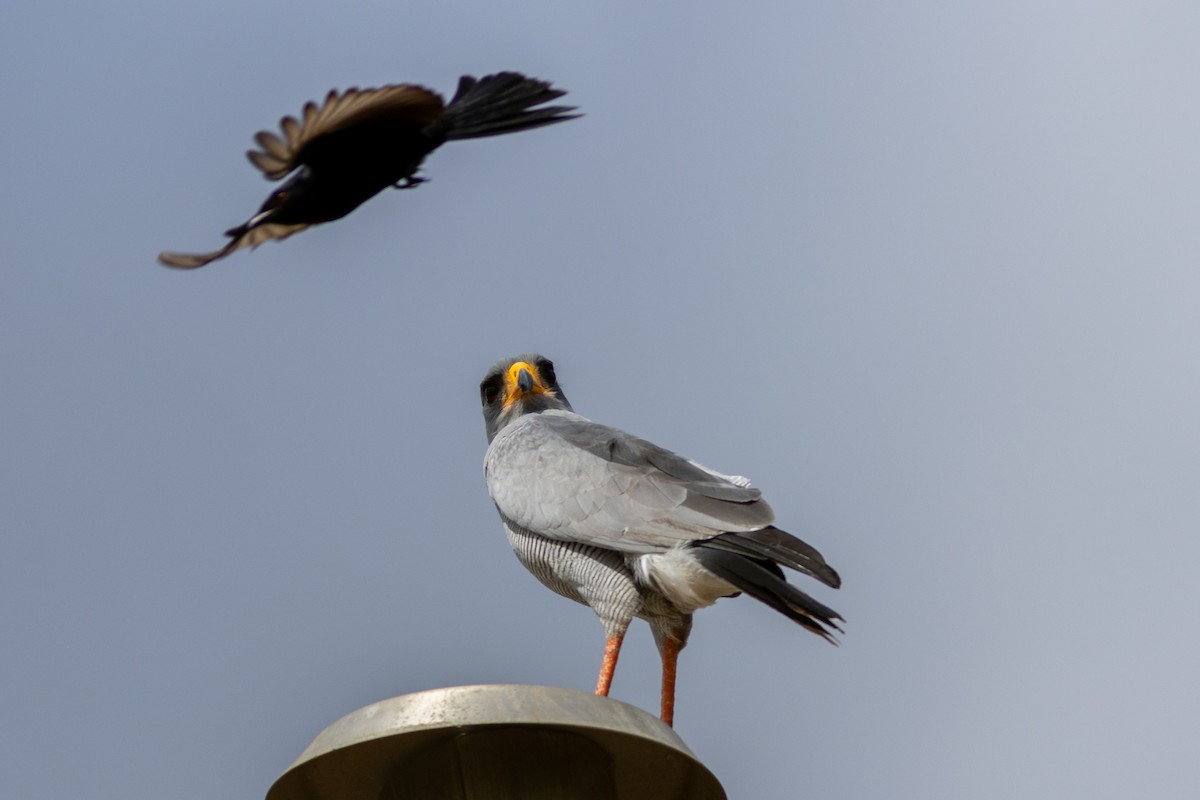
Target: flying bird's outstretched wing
pixel 354 118
pixel 251 237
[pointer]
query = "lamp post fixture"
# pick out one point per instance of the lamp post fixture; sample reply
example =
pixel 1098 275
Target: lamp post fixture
pixel 497 742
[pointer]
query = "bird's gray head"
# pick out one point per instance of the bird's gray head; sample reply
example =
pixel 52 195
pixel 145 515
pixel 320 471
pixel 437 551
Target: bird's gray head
pixel 515 386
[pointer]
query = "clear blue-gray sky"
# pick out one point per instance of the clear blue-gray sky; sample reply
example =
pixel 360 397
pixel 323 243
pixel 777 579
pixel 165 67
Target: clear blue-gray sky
pixel 928 274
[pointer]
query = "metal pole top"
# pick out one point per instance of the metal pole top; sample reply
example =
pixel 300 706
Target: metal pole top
pixel 497 742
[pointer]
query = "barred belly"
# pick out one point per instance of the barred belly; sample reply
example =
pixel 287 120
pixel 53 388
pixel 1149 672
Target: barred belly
pixel 590 575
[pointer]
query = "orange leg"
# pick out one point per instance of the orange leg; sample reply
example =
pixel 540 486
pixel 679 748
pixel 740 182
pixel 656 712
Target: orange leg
pixel 670 655
pixel 612 649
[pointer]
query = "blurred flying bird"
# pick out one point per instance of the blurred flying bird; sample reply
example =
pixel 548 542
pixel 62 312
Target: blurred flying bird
pixel 632 530
pixel 361 141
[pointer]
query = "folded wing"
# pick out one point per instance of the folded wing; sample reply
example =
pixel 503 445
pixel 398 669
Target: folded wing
pixel 569 478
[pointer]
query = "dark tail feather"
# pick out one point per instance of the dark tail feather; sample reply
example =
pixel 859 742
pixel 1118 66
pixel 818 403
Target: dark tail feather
pixel 757 579
pixel 781 547
pixel 500 103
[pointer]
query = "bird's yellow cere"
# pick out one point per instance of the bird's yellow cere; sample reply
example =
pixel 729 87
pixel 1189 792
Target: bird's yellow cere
pixel 513 390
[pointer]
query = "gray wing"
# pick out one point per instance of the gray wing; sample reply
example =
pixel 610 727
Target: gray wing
pixel 566 477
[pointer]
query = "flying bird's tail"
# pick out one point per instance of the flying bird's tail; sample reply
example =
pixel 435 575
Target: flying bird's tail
pixel 500 103
pixel 750 561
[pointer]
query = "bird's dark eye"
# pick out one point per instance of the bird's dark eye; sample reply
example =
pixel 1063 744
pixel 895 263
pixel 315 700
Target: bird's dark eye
pixel 490 392
pixel 547 371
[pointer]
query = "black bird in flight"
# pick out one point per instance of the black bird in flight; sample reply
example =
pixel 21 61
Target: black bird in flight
pixel 361 141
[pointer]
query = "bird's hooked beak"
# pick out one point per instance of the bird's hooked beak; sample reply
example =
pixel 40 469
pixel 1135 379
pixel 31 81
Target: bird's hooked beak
pixel 522 380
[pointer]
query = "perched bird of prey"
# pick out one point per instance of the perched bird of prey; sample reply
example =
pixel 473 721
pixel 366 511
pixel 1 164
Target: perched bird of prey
pixel 632 530
pixel 361 141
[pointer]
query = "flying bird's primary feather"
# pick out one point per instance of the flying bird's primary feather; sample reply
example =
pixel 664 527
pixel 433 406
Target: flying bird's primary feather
pixel 361 141
pixel 630 528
